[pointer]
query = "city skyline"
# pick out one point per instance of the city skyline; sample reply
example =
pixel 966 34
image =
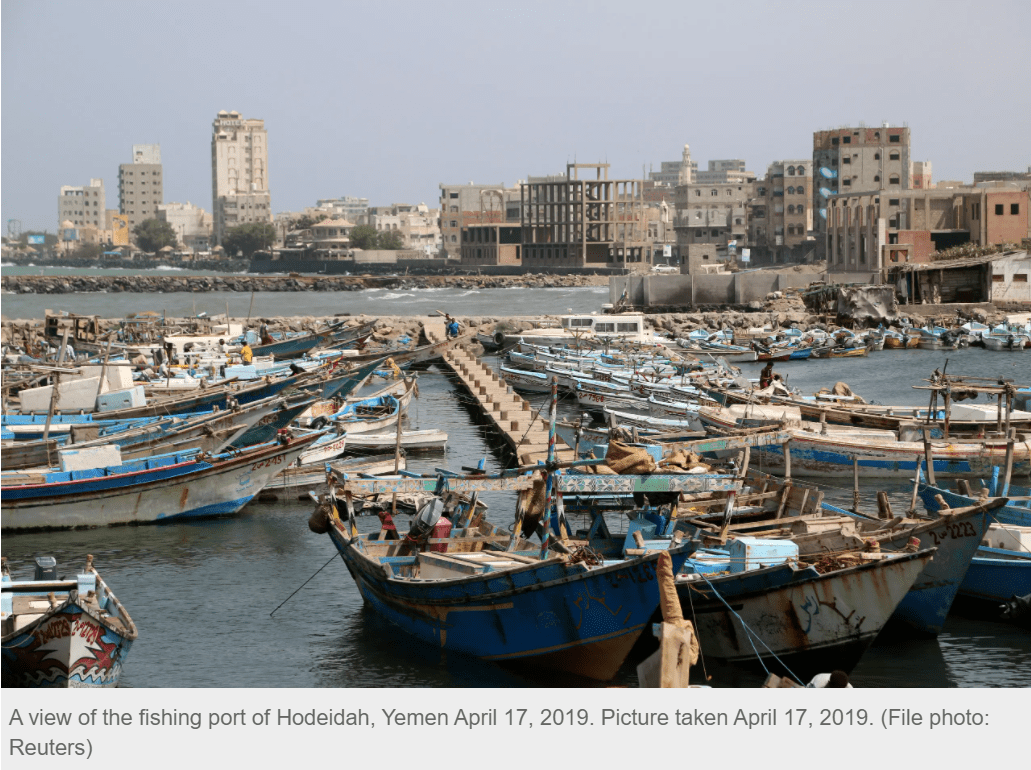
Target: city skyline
pixel 357 103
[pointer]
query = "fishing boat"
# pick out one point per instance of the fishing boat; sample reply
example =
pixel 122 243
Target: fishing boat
pixel 154 489
pixel 845 452
pixel 408 440
pixel 300 482
pixel 775 510
pixel 589 330
pixel 63 633
pixel 369 415
pixel 806 620
pixel 543 604
pixel 1001 567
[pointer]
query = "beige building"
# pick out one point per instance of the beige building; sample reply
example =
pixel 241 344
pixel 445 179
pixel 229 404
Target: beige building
pixel 82 206
pixel 473 204
pixel 869 231
pixel 714 214
pixel 847 160
pixel 239 172
pixel 140 185
pixel 781 214
pixel 192 224
pixel 584 219
pixel 491 244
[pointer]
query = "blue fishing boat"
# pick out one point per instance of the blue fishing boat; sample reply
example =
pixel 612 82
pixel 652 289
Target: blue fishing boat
pixel 996 575
pixel 490 593
pixel 159 488
pixel 62 633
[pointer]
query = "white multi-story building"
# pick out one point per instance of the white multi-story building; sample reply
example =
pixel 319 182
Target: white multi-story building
pixel 140 184
pixel 239 172
pixel 82 206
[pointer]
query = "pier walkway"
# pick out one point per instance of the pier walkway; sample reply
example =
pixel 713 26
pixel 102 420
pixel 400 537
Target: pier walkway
pixel 525 432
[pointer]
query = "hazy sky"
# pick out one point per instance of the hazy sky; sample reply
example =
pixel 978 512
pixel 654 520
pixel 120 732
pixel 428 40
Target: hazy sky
pixel 385 100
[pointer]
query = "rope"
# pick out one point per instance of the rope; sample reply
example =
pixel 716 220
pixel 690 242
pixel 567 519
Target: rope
pixel 749 632
pixel 291 596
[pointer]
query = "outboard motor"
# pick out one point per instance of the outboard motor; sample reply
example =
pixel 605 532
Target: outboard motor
pixel 426 520
pixel 46 568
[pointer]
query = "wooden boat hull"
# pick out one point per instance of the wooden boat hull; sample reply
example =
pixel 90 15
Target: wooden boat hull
pixel 414 440
pixel 554 614
pixel 957 537
pixel 809 621
pixel 826 457
pixel 74 643
pixel 188 490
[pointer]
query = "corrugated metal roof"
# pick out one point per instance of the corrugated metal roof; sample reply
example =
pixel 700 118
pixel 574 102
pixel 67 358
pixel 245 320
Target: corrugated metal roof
pixel 950 264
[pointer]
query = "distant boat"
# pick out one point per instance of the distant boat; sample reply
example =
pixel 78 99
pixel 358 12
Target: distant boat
pixel 63 633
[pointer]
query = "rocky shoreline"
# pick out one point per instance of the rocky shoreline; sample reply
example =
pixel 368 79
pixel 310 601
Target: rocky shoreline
pixel 153 284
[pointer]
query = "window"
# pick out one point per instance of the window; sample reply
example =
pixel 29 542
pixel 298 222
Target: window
pixel 454 195
pixel 895 139
pixel 1015 209
pixel 791 191
pixel 454 223
pixel 893 201
pixel 877 178
pixel 846 140
pixel 998 209
pixel 697 193
pixel 894 179
pixel 834 141
pixel 453 239
pixel 791 209
pixel 714 193
pixel 454 209
pixel 846 161
pixel 894 155
pixel 626 327
pixel 846 182
pixel 791 170
pixel 1020 278
pixel 604 327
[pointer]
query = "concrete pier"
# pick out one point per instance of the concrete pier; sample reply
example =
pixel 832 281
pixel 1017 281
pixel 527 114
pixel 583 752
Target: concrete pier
pixel 525 432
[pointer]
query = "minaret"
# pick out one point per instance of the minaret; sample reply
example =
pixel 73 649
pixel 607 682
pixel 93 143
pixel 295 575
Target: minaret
pixel 685 177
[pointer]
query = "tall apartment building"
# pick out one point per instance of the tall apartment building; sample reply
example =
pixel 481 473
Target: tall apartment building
pixel 82 206
pixel 462 205
pixel 239 172
pixel 781 214
pixel 581 222
pixel 140 185
pixel 858 160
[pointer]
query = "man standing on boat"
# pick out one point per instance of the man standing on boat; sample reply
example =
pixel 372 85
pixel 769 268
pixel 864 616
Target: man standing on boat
pixel 766 376
pixel 451 327
pixel 246 353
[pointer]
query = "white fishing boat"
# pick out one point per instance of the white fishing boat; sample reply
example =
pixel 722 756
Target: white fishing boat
pixel 409 440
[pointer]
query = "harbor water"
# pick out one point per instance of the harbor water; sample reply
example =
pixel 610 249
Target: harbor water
pixel 203 593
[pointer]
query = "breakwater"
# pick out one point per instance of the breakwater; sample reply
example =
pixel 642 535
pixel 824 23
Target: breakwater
pixel 154 284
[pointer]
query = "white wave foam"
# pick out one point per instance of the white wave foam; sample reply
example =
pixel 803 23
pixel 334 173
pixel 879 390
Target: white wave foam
pixel 395 295
pixel 168 267
pixel 467 293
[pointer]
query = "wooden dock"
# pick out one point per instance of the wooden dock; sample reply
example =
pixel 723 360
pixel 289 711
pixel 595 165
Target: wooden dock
pixel 525 432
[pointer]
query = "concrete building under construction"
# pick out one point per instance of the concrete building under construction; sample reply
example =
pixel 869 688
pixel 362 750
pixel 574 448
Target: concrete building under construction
pixel 584 219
